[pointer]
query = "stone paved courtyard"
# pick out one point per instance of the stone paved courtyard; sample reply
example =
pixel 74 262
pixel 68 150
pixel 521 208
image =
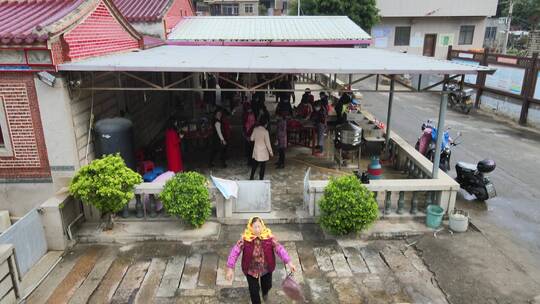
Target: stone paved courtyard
pixel 329 270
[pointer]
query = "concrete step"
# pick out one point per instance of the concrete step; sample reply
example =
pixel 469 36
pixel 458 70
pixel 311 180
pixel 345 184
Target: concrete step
pixel 324 270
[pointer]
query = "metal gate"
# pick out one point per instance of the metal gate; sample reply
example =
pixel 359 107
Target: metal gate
pixel 28 238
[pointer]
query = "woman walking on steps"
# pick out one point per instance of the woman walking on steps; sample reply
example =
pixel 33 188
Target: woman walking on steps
pixel 258 247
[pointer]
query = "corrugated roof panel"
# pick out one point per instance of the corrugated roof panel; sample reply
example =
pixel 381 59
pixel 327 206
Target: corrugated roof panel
pixel 172 58
pixel 142 10
pixel 263 28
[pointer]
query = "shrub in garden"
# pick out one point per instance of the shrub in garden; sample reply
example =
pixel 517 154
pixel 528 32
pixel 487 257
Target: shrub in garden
pixel 106 183
pixel 347 206
pixel 186 195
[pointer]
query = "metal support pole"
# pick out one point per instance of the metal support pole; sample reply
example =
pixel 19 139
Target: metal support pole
pixel 440 132
pixel 377 83
pixel 350 82
pixel 389 114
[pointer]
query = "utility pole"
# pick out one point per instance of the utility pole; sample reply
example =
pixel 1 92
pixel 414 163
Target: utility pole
pixel 509 22
pixel 298 7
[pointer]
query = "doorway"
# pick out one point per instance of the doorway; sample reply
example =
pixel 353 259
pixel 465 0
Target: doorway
pixel 429 45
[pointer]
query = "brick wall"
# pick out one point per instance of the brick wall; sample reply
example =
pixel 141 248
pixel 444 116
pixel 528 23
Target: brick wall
pixel 179 9
pixel 29 158
pixel 100 33
pixel 59 51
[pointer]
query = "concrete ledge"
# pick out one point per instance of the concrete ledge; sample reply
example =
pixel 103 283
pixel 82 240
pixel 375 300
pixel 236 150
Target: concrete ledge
pixel 383 229
pixel 128 232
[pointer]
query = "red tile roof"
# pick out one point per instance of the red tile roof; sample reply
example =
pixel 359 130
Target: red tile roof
pixel 142 10
pixel 20 20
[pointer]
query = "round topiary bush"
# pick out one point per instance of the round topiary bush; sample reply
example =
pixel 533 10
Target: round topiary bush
pixel 186 195
pixel 347 206
pixel 106 183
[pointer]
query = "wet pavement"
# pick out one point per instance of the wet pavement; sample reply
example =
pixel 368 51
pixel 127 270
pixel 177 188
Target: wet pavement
pixel 511 221
pixel 330 270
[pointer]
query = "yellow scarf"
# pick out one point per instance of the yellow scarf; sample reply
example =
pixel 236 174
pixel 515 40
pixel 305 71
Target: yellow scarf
pixel 249 235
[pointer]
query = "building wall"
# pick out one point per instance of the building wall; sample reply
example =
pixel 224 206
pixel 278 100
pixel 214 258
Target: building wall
pixel 100 33
pixel 154 29
pixel 103 104
pixel 216 6
pixel 445 8
pixel 28 159
pixel 148 112
pixel 422 26
pixel 54 104
pixel 178 10
pixel 242 8
pixel 495 45
pixel 534 43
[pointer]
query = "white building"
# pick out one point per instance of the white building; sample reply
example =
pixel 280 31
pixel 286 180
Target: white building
pixel 429 27
pixel 232 7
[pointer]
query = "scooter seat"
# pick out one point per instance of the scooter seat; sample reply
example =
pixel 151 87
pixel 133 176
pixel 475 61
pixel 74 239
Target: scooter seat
pixel 466 166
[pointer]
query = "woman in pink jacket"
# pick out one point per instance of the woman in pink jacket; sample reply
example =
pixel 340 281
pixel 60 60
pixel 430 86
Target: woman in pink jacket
pixel 258 247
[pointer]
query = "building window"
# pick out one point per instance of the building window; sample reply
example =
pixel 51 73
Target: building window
pixel 5 142
pixel 248 8
pixel 491 33
pixel 403 35
pixel 466 34
pixel 230 10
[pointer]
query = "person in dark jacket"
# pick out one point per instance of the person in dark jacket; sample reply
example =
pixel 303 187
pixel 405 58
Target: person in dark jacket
pixel 318 117
pixel 258 247
pixel 324 101
pixel 281 140
pixel 307 97
pixel 285 84
pixel 341 105
pixel 218 141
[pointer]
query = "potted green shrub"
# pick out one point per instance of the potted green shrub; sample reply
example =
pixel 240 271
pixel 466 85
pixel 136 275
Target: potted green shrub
pixel 186 195
pixel 107 184
pixel 347 206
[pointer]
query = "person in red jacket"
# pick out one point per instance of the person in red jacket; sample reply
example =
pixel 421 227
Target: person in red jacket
pixel 258 247
pixel 173 149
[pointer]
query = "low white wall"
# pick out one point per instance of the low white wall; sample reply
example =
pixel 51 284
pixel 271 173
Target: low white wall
pixel 21 197
pixel 509 108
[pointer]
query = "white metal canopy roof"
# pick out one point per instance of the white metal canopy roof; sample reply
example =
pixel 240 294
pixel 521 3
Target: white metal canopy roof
pixel 170 58
pixel 265 28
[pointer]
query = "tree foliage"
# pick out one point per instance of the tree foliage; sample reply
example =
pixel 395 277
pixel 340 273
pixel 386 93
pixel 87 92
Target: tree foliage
pixel 526 13
pixel 362 12
pixel 347 206
pixel 106 183
pixel 186 195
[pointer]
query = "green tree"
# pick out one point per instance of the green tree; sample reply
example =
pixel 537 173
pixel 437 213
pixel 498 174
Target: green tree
pixel 106 183
pixel 347 206
pixel 526 14
pixel 363 12
pixel 186 195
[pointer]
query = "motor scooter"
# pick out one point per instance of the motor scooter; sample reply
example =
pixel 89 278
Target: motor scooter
pixel 426 144
pixel 473 179
pixel 458 98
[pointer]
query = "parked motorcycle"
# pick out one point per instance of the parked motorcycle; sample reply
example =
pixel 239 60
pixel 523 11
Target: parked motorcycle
pixel 426 144
pixel 458 98
pixel 472 178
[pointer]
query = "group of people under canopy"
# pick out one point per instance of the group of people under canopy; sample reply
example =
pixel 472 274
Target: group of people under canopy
pixel 256 117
